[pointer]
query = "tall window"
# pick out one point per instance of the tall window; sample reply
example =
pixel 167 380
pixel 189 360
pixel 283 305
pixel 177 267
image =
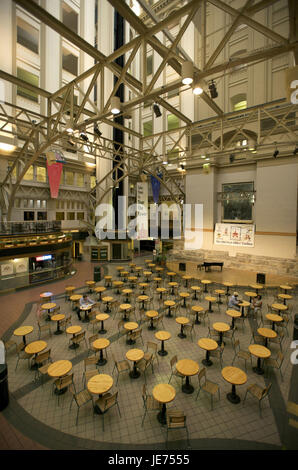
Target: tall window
pixel 69 18
pixel 173 122
pixel 69 178
pixel 80 180
pixel 237 202
pixel 30 78
pixel 69 62
pixel 41 174
pixel 149 64
pixel 239 102
pixel 29 175
pixel 27 35
pixel 148 128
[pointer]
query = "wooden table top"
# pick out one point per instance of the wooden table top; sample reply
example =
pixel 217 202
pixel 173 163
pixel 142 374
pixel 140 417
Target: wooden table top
pixel 138 268
pixel 164 393
pixel 158 268
pixel 285 296
pixel 259 351
pixel 89 283
pixel 100 289
pixel 134 354
pixel 257 286
pixel 108 299
pixel 244 303
pixel 197 308
pixel 250 294
pixel 171 273
pixel 86 307
pixel 151 265
pixel 186 277
pixel 102 316
pixel 107 277
pixel 162 335
pixel 118 283
pixel 208 344
pixel 147 273
pixel 273 317
pixel 69 288
pixel 35 347
pixel 187 367
pixel 100 384
pixel 182 320
pixel 59 368
pixel 151 313
pixel 161 289
pixel 131 325
pixel 195 287
pixel 119 268
pixel 143 284
pixel 233 313
pixel 221 327
pixel 76 297
pixel 72 330
pixel 101 343
pixel 125 306
pixel 206 281
pixel 234 376
pixel 143 297
pixel 23 330
pixel 184 294
pixel 279 306
pixel 228 284
pixel 173 283
pixel 210 299
pixel 157 279
pixel 219 291
pixel 58 317
pixel 286 287
pixel 48 306
pixel 46 294
pixel 267 332
pixel 169 303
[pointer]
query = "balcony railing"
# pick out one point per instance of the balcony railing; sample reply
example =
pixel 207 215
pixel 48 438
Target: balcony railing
pixel 19 228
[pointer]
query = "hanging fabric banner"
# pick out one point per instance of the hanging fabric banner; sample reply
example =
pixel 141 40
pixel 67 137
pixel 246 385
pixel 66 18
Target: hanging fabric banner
pixel 155 184
pixel 54 174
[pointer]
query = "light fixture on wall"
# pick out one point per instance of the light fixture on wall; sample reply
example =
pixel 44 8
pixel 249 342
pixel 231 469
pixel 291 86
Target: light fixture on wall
pixel 187 72
pixel 115 105
pixel 156 110
pixel 213 90
pixel 97 131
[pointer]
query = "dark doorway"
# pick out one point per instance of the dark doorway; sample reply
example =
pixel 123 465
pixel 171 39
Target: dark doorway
pixel 116 250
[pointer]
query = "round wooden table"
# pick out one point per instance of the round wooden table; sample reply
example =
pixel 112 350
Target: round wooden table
pixel 130 326
pixel 219 292
pixel 102 317
pixel 147 274
pixel 58 318
pixel 261 352
pixel 59 369
pixel 117 285
pixel 171 274
pixel 233 314
pixel 107 300
pixel 251 295
pixel 101 344
pixel 162 336
pixel 243 304
pixel 125 308
pixel 210 300
pixel 187 278
pixel 157 280
pixel 163 393
pixel 182 321
pixel 221 327
pixel 143 298
pixel 138 269
pixel 257 287
pixel 108 280
pixel 69 290
pixel 86 309
pixel 127 292
pixel 285 297
pixel 228 284
pixel 90 284
pixel 279 307
pixel 48 306
pixel 161 290
pixel 197 309
pixel 169 304
pixel 195 289
pixel 208 345
pixel 73 330
pixel 184 296
pixel 99 384
pixel 267 333
pixel 75 300
pixel 286 288
pixel 187 367
pixel 205 282
pixel 46 295
pixel 151 314
pixel 23 331
pixel 143 285
pixel 134 355
pixel 99 290
pixel 173 284
pixel 234 376
pixel 274 318
pixel 35 348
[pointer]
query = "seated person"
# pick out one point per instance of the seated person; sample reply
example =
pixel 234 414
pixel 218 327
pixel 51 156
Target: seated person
pixel 257 303
pixel 234 302
pixel 84 302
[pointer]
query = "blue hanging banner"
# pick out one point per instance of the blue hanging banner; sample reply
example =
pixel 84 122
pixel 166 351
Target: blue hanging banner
pixel 155 184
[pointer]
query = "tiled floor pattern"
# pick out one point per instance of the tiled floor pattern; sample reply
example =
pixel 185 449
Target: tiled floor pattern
pixel 226 421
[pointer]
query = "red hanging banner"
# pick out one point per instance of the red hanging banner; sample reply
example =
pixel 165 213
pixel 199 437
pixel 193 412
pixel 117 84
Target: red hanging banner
pixel 54 174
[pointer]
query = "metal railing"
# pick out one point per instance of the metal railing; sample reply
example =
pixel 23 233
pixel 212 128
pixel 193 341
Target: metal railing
pixel 18 228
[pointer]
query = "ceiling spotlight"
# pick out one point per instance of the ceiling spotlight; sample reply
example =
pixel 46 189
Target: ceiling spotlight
pixel 197 89
pixel 97 131
pixel 165 160
pixel 115 105
pixel 84 136
pixel 213 90
pixel 187 72
pixel 232 158
pixel 69 126
pixel 276 153
pixel 156 110
pixel 70 142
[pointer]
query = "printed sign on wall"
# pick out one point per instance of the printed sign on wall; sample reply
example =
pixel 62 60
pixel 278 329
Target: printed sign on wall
pixel 234 234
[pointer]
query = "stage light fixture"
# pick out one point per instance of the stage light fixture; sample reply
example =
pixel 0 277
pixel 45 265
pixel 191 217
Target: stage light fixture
pixel 115 105
pixel 197 89
pixel 187 72
pixel 156 110
pixel 276 153
pixel 97 131
pixel 213 90
pixel 84 136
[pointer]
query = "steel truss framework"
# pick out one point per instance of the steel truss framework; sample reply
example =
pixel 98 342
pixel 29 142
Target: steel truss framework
pixel 40 133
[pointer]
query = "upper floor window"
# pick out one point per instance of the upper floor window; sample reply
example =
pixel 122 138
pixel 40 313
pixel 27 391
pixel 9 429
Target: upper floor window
pixel 27 35
pixel 237 202
pixel 148 128
pixel 239 102
pixel 69 18
pixel 30 78
pixel 29 175
pixel 173 122
pixel 69 62
pixel 41 174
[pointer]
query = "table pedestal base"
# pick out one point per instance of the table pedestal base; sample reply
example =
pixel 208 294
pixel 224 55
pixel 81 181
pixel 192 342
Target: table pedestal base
pixel 162 417
pixel 58 332
pixel 134 374
pixel 233 398
pixel 74 346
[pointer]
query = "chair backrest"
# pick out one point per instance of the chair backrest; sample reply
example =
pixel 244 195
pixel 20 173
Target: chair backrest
pixel 66 380
pixel 80 336
pixel 201 374
pixel 266 390
pixel 41 357
pixel 19 348
pixel 236 344
pixel 92 338
pixel 88 361
pixel 110 401
pixel 173 361
pixel 152 346
pixel 176 419
pixel 280 357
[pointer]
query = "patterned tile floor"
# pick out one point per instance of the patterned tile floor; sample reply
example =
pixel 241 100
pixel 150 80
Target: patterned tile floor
pixel 39 422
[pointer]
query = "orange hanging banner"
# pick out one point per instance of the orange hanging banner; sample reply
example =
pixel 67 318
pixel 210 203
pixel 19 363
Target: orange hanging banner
pixel 54 174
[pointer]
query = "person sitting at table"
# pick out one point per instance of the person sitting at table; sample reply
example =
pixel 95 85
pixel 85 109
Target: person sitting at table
pixel 257 303
pixel 84 302
pixel 234 302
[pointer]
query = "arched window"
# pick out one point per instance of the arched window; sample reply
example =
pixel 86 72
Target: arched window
pixel 239 102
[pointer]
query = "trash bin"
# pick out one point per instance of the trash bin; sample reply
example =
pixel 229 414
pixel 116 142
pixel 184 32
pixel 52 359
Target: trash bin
pixel 97 274
pixel 4 396
pixel 295 328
